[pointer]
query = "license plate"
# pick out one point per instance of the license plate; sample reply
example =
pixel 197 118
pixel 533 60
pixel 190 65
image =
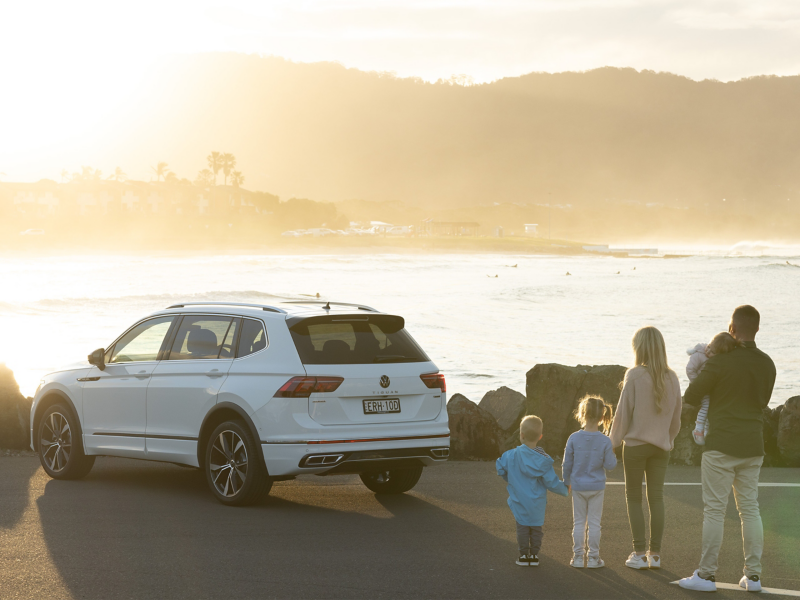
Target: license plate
pixel 381 407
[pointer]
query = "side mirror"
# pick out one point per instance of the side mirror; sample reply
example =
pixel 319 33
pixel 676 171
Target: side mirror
pixel 98 358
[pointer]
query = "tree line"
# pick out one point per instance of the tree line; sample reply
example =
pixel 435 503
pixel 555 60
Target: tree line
pixel 218 162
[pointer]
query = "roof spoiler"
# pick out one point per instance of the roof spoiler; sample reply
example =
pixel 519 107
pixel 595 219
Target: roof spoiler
pixel 327 304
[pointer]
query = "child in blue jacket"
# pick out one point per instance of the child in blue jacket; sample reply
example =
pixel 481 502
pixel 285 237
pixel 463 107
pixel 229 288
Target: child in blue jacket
pixel 528 470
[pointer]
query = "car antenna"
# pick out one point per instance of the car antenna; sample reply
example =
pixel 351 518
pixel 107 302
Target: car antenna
pixel 327 306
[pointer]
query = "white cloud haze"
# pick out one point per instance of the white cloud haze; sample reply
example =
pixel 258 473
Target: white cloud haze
pixel 65 64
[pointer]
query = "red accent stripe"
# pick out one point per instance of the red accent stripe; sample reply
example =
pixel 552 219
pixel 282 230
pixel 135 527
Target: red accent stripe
pixel 388 439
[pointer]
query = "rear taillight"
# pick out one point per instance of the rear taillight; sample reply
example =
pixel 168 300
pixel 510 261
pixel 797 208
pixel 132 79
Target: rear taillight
pixel 303 387
pixel 434 380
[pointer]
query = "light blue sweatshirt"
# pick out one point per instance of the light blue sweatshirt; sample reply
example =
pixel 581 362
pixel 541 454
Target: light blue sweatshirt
pixel 529 474
pixel 588 456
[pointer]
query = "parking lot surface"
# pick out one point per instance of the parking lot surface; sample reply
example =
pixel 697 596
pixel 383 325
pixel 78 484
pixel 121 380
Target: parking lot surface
pixel 134 529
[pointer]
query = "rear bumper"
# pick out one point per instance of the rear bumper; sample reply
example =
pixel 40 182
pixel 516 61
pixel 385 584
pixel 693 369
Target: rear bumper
pixel 331 457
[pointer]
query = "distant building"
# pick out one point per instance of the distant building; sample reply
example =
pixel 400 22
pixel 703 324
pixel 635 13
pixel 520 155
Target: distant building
pixel 532 229
pixel 468 228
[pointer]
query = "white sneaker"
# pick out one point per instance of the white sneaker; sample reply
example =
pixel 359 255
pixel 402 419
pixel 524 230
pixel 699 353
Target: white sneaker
pixel 654 562
pixel 577 561
pixel 636 561
pixel 595 563
pixel 697 583
pixel 699 437
pixel 751 584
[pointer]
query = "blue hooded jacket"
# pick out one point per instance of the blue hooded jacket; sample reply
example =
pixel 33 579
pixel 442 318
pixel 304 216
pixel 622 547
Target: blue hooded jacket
pixel 529 474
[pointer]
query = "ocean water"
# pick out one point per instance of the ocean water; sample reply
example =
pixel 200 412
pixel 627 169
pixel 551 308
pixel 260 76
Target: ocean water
pixel 482 320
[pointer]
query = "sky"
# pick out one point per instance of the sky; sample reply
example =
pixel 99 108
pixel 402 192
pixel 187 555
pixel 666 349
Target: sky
pixel 66 65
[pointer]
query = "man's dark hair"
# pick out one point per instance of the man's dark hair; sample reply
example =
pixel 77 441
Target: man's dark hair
pixel 746 319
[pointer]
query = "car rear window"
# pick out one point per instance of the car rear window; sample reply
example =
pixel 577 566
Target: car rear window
pixel 368 339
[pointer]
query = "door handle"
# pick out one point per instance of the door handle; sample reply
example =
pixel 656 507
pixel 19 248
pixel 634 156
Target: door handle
pixel 214 373
pixel 142 375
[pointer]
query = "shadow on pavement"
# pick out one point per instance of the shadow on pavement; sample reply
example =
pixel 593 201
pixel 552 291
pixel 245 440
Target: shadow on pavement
pixel 140 531
pixel 13 500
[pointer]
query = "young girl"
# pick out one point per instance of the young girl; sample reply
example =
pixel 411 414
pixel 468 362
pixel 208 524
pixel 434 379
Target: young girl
pixel 721 343
pixel 589 454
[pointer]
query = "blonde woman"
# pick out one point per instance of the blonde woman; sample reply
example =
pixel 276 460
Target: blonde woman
pixel 648 419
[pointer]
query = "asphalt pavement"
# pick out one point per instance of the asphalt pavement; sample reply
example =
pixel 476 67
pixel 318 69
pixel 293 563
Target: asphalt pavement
pixel 139 530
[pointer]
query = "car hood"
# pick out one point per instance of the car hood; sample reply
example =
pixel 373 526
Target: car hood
pixel 76 366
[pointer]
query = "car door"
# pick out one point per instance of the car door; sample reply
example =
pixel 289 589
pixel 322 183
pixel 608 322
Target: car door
pixel 184 385
pixel 115 398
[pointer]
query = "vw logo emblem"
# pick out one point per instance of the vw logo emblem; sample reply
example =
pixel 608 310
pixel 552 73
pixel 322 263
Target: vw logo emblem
pixel 385 381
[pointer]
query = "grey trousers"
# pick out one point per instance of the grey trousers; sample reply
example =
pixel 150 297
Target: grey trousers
pixel 529 539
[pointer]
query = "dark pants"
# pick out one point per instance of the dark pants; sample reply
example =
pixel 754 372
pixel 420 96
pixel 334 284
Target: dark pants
pixel 651 462
pixel 529 539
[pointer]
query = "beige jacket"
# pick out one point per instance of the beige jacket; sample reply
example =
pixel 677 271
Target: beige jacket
pixel 637 421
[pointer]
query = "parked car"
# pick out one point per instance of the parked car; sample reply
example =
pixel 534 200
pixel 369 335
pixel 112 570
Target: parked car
pixel 251 394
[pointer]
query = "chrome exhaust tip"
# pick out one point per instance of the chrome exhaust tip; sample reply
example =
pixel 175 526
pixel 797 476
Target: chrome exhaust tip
pixel 322 460
pixel 440 453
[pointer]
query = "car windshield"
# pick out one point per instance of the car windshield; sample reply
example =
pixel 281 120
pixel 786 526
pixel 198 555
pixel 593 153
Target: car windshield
pixel 343 340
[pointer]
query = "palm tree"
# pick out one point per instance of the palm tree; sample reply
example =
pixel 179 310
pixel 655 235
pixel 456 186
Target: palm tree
pixel 205 178
pixel 228 163
pixel 160 170
pixel 118 175
pixel 237 178
pixel 171 177
pixel 64 175
pixel 87 173
pixel 214 163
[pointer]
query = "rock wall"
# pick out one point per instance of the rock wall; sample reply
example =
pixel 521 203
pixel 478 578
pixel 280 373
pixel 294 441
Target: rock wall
pixel 553 392
pixel 15 411
pixel 507 406
pixel 474 434
pixel 788 435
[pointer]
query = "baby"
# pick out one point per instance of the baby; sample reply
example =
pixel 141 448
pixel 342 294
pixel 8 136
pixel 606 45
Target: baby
pixel 720 344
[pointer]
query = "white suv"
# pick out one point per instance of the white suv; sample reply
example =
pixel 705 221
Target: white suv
pixel 251 394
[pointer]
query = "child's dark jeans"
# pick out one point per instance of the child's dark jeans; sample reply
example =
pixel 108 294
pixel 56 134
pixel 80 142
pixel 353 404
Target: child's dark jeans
pixel 529 539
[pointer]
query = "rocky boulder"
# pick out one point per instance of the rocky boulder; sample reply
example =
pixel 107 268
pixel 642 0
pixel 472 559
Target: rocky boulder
pixel 553 392
pixel 685 451
pixel 772 456
pixel 788 438
pixel 15 412
pixel 474 434
pixel 507 406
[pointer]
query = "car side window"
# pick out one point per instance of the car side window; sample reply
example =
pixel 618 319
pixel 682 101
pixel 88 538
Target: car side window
pixel 253 338
pixel 142 343
pixel 204 337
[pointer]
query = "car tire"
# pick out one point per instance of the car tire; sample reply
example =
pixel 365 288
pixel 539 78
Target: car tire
pixel 234 471
pixel 392 481
pixel 60 446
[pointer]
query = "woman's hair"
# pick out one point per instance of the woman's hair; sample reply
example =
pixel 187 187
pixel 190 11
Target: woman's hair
pixel 593 409
pixel 650 352
pixel 722 343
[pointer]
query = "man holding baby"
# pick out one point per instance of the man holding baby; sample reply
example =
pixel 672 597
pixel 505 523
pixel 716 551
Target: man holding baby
pixel 739 384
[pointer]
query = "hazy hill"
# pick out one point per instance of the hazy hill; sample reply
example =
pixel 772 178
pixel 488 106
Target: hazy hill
pixel 325 132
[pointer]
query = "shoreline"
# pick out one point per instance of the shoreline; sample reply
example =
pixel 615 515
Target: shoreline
pixel 345 246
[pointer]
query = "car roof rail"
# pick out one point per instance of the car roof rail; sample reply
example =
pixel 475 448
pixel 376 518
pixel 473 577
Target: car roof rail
pixel 261 306
pixel 326 305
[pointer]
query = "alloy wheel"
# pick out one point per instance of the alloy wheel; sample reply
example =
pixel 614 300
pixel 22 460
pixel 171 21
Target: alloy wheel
pixel 228 463
pixel 56 442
